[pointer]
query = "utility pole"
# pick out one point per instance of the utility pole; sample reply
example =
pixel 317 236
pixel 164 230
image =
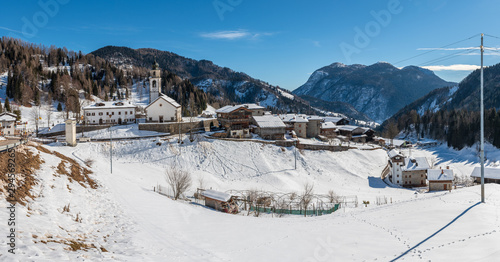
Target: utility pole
pixel 482 122
pixel 110 147
pixel 296 153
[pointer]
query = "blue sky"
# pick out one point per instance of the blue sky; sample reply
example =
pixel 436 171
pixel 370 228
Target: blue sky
pixel 280 42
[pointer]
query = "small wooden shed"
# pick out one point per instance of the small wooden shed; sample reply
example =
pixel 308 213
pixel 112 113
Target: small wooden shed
pixel 220 201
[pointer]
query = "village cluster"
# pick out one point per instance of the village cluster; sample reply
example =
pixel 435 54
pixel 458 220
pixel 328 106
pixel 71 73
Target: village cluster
pixel 251 120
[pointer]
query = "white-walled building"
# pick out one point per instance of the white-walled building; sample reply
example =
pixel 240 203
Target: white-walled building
pixel 7 123
pixel 407 171
pixel 109 113
pixel 163 109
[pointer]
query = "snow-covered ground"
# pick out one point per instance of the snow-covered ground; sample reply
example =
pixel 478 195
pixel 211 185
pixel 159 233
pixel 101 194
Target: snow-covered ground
pixel 121 131
pixel 132 223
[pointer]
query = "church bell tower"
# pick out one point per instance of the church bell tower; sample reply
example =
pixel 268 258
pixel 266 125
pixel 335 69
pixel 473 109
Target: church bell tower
pixel 154 82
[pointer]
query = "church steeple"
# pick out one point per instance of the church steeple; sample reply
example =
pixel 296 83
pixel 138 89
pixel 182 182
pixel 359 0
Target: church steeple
pixel 154 82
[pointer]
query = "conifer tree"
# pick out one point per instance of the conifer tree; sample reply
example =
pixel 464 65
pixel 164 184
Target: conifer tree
pixel 7 105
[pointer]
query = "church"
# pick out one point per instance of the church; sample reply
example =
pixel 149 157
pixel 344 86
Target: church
pixel 161 108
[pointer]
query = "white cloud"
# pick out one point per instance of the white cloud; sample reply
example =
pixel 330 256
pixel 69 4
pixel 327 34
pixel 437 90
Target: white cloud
pixel 457 67
pixel 234 35
pixel 228 35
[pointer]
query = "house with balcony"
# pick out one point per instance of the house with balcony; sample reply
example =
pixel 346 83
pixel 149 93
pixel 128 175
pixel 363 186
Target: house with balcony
pixel 235 120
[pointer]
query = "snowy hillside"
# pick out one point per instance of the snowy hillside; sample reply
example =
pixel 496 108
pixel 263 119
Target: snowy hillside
pixel 124 220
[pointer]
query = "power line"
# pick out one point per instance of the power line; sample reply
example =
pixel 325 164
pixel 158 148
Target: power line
pixel 492 36
pixel 440 59
pixel 437 49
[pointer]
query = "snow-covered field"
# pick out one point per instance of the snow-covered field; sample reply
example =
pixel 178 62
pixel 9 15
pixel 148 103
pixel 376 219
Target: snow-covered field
pixel 126 221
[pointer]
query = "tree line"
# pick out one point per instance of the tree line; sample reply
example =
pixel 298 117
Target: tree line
pixel 458 127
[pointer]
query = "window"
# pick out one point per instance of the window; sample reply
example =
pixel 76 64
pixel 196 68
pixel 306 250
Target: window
pixel 126 112
pixel 88 114
pixel 100 113
pixel 113 113
pixel 107 113
pixel 398 175
pixel 130 112
pixel 93 114
pixel 422 175
pixel 120 113
pixel 172 118
pixel 161 104
pixel 397 182
pixel 300 125
pixel 150 119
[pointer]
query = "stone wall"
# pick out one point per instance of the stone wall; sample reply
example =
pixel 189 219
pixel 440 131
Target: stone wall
pixel 173 127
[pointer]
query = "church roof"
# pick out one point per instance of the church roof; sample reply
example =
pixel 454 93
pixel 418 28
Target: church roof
pixel 167 99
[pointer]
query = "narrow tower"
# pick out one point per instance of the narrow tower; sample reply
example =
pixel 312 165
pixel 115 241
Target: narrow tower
pixel 154 82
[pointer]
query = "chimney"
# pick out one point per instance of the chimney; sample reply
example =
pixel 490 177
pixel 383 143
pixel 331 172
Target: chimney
pixel 447 167
pixel 442 171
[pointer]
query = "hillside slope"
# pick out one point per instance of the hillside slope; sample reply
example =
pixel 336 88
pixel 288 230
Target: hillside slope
pixel 123 219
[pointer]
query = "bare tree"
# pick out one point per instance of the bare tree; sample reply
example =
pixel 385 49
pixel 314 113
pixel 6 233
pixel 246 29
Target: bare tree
pixel 35 117
pixel 333 197
pixel 391 131
pixel 48 113
pixel 307 196
pixel 179 180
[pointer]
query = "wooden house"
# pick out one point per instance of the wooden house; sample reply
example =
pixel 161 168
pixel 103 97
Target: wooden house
pixel 491 175
pixel 220 201
pixel 440 179
pixel 337 120
pixel 269 127
pixel 235 119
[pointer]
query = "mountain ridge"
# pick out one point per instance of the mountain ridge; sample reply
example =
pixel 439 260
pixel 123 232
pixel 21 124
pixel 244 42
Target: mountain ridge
pixel 378 90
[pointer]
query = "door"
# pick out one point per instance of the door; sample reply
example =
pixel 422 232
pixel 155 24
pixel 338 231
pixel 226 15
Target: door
pixel 100 121
pixel 119 121
pixel 445 186
pixel 161 119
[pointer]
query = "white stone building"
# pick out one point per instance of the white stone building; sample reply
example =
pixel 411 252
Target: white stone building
pixel 407 171
pixel 109 113
pixel 163 109
pixel 7 123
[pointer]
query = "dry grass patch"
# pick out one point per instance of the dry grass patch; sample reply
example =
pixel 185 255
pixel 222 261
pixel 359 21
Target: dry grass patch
pixel 27 163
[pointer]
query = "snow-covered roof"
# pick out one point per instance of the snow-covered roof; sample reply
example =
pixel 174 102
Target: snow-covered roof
pixel 439 174
pixel 489 172
pixel 220 196
pixel 415 163
pixel 109 105
pixel 348 128
pixel 253 106
pixel 8 117
pixel 293 118
pixel 167 99
pixel 312 118
pixel 229 109
pixel 393 153
pixel 334 119
pixel 328 125
pixel 268 121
